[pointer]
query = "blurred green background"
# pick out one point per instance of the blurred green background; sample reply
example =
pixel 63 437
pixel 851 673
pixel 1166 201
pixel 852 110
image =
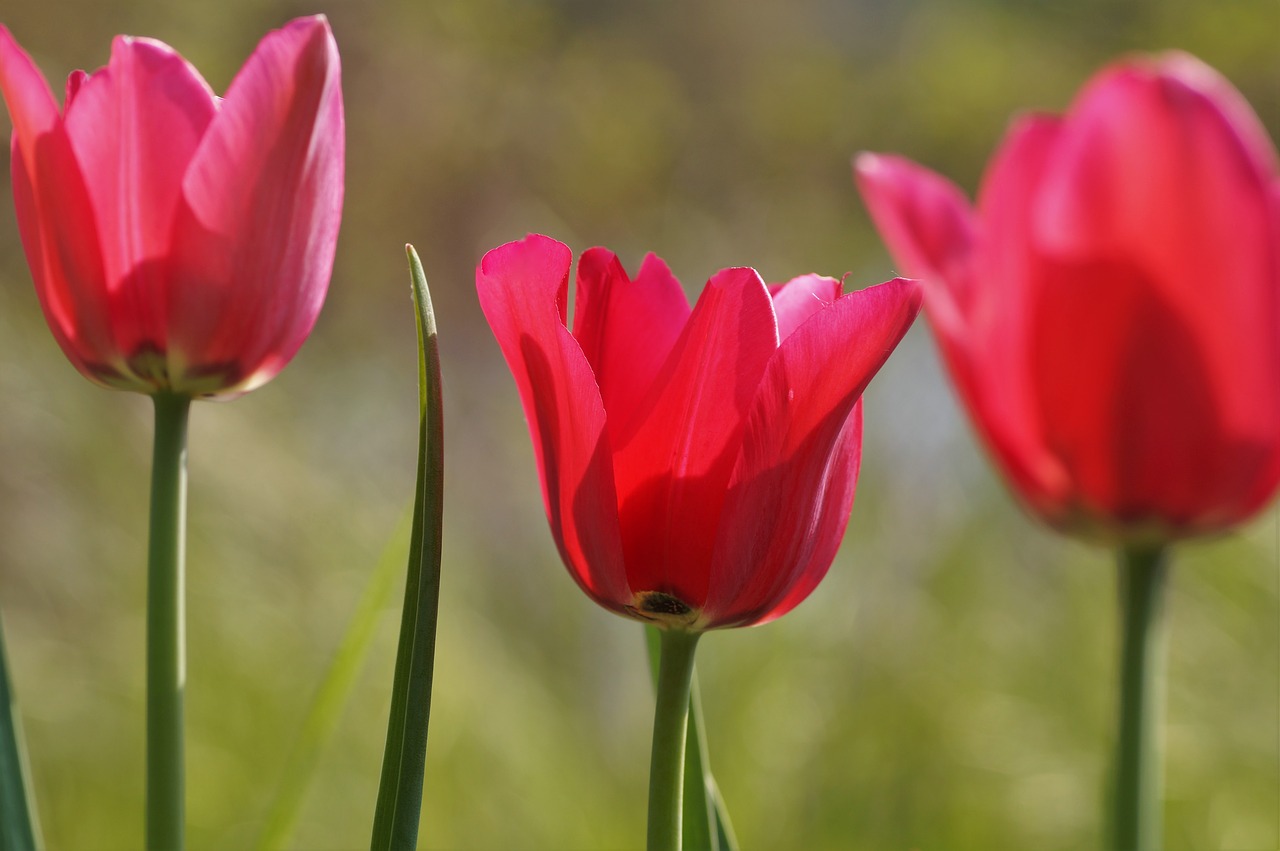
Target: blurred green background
pixel 949 686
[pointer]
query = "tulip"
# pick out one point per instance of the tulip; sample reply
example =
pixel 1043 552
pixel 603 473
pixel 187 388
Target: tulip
pixel 698 465
pixel 1110 315
pixel 1110 312
pixel 181 246
pixel 181 242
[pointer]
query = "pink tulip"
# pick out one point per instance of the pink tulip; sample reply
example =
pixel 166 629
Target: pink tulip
pixel 698 465
pixel 181 242
pixel 1110 311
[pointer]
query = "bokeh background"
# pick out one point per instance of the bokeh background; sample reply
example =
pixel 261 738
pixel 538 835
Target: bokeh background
pixel 949 686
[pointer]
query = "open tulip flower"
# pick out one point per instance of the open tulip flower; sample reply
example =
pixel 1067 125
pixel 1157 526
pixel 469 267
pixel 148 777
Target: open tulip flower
pixel 179 241
pixel 1110 313
pixel 698 465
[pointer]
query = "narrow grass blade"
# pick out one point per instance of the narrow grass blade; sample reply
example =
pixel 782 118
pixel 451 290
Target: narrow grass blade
pixel 19 830
pixel 395 821
pixel 334 692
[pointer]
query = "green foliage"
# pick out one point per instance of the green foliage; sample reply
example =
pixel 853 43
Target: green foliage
pixel 949 686
pixel 396 818
pixel 19 824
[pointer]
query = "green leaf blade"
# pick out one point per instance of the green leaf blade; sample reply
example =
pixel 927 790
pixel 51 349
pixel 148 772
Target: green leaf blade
pixel 395 824
pixel 19 829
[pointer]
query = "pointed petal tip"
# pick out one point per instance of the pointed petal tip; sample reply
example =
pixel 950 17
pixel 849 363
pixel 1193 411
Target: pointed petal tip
pixel 897 301
pixel 911 286
pixel 304 36
pixel 867 163
pixel 307 24
pixel 877 166
pixel 10 49
pixel 910 290
pixel 894 180
pixel 31 104
pixel 320 19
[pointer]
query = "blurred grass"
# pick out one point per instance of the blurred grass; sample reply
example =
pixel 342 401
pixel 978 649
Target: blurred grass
pixel 950 684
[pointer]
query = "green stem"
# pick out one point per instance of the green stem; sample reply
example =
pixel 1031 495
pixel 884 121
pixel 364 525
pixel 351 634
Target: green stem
pixel 166 667
pixel 1136 817
pixel 670 724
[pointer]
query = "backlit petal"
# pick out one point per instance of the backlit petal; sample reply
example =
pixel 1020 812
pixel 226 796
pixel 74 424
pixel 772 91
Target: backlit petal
pixel 671 471
pixel 798 299
pixel 522 286
pixel 792 484
pixel 1164 170
pixel 31 105
pixel 1125 392
pixel 1000 388
pixel 626 328
pixel 929 228
pixel 55 219
pixel 134 126
pixel 926 222
pixel 262 202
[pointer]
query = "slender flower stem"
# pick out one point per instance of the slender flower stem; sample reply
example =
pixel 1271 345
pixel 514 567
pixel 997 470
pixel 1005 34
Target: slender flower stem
pixel 166 666
pixel 670 725
pixel 1136 817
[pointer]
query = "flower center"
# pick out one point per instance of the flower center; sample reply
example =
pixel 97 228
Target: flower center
pixel 663 610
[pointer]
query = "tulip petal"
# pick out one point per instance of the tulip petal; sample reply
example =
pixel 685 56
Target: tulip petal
pixel 626 328
pixel 974 293
pixel 1164 169
pixel 926 222
pixel 798 299
pixel 27 95
pixel 522 288
pixel 1159 193
pixel 55 218
pixel 1121 402
pixel 930 229
pixel 671 471
pixel 262 204
pixel 792 485
pixel 34 115
pixel 1001 393
pixel 134 126
pixel 833 518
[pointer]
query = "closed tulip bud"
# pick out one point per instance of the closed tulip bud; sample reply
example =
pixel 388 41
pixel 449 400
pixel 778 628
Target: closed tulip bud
pixel 180 242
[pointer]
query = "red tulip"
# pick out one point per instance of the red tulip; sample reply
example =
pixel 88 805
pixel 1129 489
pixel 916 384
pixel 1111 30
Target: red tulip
pixel 1109 311
pixel 181 242
pixel 698 466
